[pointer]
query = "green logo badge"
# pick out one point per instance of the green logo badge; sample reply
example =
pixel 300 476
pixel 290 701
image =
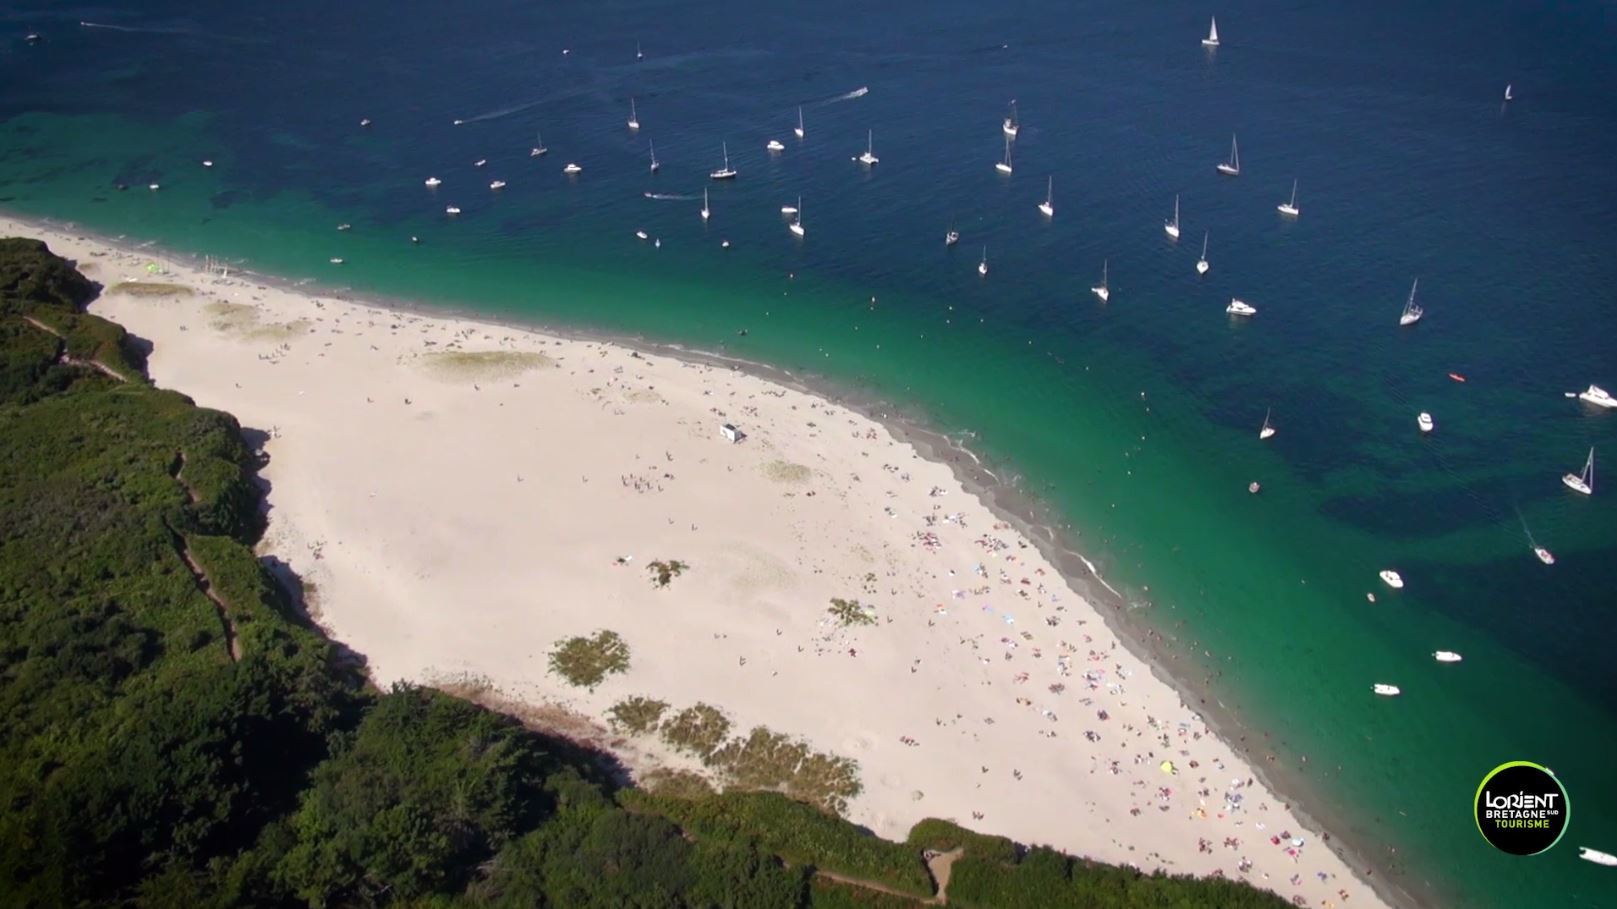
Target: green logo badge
pixel 1522 808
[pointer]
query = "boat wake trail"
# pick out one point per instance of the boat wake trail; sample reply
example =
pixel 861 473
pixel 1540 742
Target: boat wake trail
pixel 859 92
pixel 503 112
pixel 133 29
pixel 670 197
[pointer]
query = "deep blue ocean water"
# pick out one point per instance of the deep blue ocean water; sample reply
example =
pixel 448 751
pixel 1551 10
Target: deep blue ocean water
pixel 1136 420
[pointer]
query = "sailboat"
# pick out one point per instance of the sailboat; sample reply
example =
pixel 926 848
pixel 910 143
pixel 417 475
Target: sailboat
pixel 1103 291
pixel 1201 264
pixel 1171 228
pixel 982 267
pixel 1412 312
pixel 1543 554
pixel 634 119
pixel 952 236
pixel 637 54
pixel 726 172
pixel 1267 432
pixel 799 131
pixel 706 212
pixel 1010 125
pixel 797 221
pixel 1004 166
pixel 654 163
pixel 1508 95
pixel 1212 34
pixel 538 146
pixel 1446 656
pixel 1048 206
pixel 869 158
pixel 1232 167
pixel 1583 482
pixel 1290 208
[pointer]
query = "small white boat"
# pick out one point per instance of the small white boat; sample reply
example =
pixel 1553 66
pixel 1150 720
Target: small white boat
pixel 1596 856
pixel 452 210
pixel 154 187
pixel 1010 126
pixel 336 261
pixel 1232 167
pixel 1424 421
pixel 1386 690
pixel 480 162
pixel 982 267
pixel 652 147
pixel 1392 579
pixel 1268 431
pixel 1544 555
pixel 1583 482
pixel 1412 312
pixel 869 158
pixel 1240 308
pixel 1212 34
pixel 1004 166
pixel 726 172
pixel 365 122
pixel 345 227
pixel 951 238
pixel 1201 264
pixel 706 212
pixel 32 38
pixel 790 209
pixel 634 119
pixel 640 234
pixel 637 54
pixel 1508 95
pixel 1446 656
pixel 775 145
pixel 538 146
pixel 724 244
pixel 207 163
pixel 571 169
pixel 796 226
pixel 1597 396
pixel 1290 208
pixel 496 184
pixel 1103 289
pixel 434 182
pixel 1171 228
pixel 1048 205
pixel 798 132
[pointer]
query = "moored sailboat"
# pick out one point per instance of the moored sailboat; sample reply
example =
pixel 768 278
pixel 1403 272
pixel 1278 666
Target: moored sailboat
pixel 1232 167
pixel 1212 34
pixel 1583 482
pixel 726 172
pixel 1103 290
pixel 1048 205
pixel 1412 312
pixel 1201 264
pixel 1171 228
pixel 1290 208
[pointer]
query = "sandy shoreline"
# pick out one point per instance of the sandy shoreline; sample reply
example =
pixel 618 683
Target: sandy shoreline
pixel 459 514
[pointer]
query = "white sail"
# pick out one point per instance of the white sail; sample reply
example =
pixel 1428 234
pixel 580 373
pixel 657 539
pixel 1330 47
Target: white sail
pixel 1212 34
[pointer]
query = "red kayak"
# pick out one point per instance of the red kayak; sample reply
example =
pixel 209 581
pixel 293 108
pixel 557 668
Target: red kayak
pixel 1456 377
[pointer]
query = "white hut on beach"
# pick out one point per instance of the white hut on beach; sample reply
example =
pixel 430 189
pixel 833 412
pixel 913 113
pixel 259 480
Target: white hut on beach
pixel 731 433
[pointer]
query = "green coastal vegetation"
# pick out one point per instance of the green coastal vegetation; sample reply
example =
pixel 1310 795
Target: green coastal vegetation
pixel 176 733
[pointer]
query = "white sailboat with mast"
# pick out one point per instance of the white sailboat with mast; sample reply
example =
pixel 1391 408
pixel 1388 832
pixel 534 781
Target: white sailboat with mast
pixel 1103 290
pixel 1048 205
pixel 798 132
pixel 982 267
pixel 1268 431
pixel 1201 264
pixel 869 158
pixel 1583 482
pixel 538 146
pixel 634 118
pixel 1232 167
pixel 652 146
pixel 1290 208
pixel 1212 34
pixel 1171 228
pixel 726 172
pixel 1010 126
pixel 796 226
pixel 1004 166
pixel 706 212
pixel 1412 312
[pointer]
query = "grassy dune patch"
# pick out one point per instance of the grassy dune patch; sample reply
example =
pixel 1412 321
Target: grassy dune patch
pixel 586 662
pixel 483 365
pixel 787 472
pixel 151 289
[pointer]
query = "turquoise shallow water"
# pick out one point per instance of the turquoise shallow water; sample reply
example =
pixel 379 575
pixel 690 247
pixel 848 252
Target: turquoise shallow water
pixel 1388 114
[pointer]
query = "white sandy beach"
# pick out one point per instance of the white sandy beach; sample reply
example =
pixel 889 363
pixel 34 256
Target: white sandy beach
pixel 459 521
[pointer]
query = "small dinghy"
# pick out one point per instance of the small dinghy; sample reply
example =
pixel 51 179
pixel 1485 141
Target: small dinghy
pixel 1446 656
pixel 1385 690
pixel 1392 579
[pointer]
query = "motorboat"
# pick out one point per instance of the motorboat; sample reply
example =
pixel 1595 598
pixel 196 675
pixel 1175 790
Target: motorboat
pixel 726 172
pixel 1596 856
pixel 1583 482
pixel 1103 289
pixel 775 145
pixel 434 182
pixel 1240 308
pixel 452 210
pixel 154 187
pixel 1424 421
pixel 1544 555
pixel 1386 690
pixel 572 169
pixel 345 227
pixel 1446 656
pixel 1392 579
pixel 207 163
pixel 789 209
pixel 365 122
pixel 1597 396
pixel 336 261
pixel 497 184
pixel 641 234
pixel 480 162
